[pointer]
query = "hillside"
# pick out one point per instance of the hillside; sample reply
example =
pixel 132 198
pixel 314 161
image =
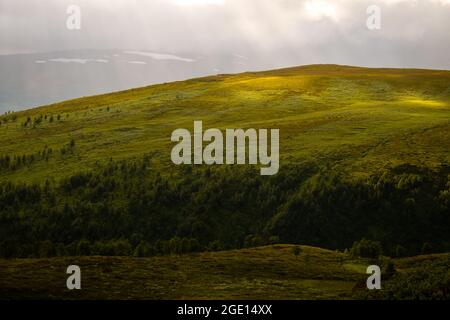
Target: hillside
pixel 259 273
pixel 271 272
pixel 364 153
pixel 355 119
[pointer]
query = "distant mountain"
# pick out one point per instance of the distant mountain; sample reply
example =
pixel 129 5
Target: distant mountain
pixel 29 80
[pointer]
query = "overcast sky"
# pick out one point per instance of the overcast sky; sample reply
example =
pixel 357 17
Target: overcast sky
pixel 414 33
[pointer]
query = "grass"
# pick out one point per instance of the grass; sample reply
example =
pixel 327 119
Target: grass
pixel 355 119
pixel 271 272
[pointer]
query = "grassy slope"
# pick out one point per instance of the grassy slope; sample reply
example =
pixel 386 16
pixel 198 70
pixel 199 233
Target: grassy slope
pixel 355 119
pixel 271 272
pixel 359 119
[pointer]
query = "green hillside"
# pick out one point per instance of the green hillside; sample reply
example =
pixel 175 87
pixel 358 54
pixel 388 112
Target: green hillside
pixel 364 153
pixel 355 119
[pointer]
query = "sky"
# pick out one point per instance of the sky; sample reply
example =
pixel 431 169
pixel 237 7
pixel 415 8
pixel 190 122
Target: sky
pixel 413 33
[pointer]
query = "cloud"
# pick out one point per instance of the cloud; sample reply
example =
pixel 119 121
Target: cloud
pixel 318 9
pixel 137 62
pixel 66 60
pixel 269 32
pixel 73 60
pixel 198 2
pixel 159 56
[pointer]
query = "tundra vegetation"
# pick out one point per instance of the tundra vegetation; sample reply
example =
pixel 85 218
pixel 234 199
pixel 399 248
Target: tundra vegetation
pixel 364 166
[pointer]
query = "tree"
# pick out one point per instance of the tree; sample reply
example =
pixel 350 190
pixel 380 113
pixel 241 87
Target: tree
pixel 122 247
pixel 46 249
pixel 399 251
pixel 143 249
pixel 389 270
pixel 83 248
pixel 274 239
pixel 427 248
pixel 366 249
pixel 296 251
pixel 216 245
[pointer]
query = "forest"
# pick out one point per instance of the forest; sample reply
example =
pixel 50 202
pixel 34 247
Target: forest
pixel 122 208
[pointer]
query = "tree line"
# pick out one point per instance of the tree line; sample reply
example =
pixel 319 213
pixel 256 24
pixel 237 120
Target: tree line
pixel 128 208
pixel 17 161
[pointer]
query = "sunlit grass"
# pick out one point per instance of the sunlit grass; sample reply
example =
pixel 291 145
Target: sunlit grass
pixel 363 119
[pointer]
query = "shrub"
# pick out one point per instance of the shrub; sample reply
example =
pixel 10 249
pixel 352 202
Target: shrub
pixel 83 248
pixel 296 251
pixel 366 249
pixel 143 249
pixel 274 240
pixel 427 248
